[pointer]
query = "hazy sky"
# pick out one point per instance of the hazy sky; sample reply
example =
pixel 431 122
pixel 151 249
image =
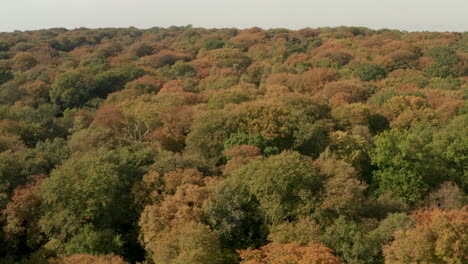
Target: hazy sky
pixel 412 15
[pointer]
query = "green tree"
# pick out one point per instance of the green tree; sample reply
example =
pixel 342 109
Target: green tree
pixel 88 240
pixel 92 188
pixel 208 132
pixel 5 75
pixel 404 165
pixel 210 44
pixel 108 82
pixel 370 72
pixel 72 89
pixel 445 59
pixel 369 250
pixel 451 147
pixel 233 214
pixel 18 168
pixel 285 185
pixel 303 231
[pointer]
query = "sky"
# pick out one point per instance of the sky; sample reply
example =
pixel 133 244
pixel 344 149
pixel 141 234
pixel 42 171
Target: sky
pixel 410 15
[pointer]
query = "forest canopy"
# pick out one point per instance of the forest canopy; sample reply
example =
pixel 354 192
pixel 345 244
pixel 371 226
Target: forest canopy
pixel 187 145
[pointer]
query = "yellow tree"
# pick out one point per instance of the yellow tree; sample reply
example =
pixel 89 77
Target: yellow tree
pixel 292 253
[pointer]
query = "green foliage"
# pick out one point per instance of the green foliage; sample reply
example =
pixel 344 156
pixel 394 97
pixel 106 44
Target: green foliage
pixel 220 100
pixel 303 231
pixel 233 214
pixel 370 249
pixel 445 60
pixel 208 133
pixel 96 65
pixel 343 236
pixel 267 146
pixel 18 168
pixel 5 75
pixel 142 49
pixel 54 151
pixel 108 82
pixel 213 44
pixel 370 72
pixel 182 70
pixel 88 240
pixel 72 89
pixel 285 185
pixel 451 146
pixel 91 188
pixel 404 165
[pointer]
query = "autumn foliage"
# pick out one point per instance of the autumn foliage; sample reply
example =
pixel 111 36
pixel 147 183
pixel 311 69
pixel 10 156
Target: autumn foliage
pixel 187 145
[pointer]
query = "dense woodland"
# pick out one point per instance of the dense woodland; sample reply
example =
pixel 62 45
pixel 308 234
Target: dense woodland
pixel 186 145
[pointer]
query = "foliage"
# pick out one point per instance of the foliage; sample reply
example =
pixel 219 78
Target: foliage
pixel 193 145
pixel 5 75
pixel 284 184
pixel 439 237
pixel 290 253
pixel 370 72
pixel 72 89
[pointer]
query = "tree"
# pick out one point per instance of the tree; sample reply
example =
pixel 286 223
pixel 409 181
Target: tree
pixel 92 189
pixel 447 197
pixel 239 156
pixel 5 75
pixel 190 243
pixel 369 249
pixel 208 132
pixel 445 59
pixel 292 253
pixel 439 237
pixel 314 80
pixel 450 145
pixel 343 191
pixel 18 168
pixel 171 230
pixel 232 212
pixel 141 49
pixel 370 72
pixel 210 44
pixel 272 120
pixel 404 164
pixel 145 84
pixel 22 231
pixel 92 259
pixel 72 89
pixel 354 89
pixel 110 117
pixel 347 116
pixel 37 88
pixel 303 231
pixel 24 61
pixel 108 82
pixel 176 126
pixel 352 149
pixel 284 184
pixel 89 240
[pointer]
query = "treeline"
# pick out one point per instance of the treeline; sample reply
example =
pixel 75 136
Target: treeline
pixel 186 145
